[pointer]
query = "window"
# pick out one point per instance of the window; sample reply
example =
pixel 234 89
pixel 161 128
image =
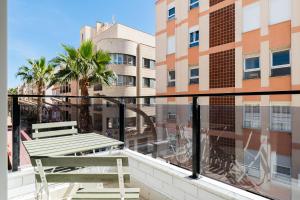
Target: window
pixel 65 88
pixel 281 118
pixel 280 11
pixel 130 122
pixel 194 38
pixel 171 45
pixel 252 64
pixel 148 101
pixel 171 116
pixel 149 82
pixel 281 63
pixel 251 116
pixel 281 59
pixel 98 87
pixel 124 80
pixel 281 167
pixel 122 59
pixel 109 104
pixel 194 4
pixel 194 76
pixel 112 123
pixel 130 101
pixel 251 68
pixel 171 13
pixel 171 79
pixel 147 63
pixel 251 17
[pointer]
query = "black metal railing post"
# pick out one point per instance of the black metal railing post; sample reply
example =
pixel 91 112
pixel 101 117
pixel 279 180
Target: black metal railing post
pixel 16 134
pixel 196 139
pixel 67 110
pixel 122 121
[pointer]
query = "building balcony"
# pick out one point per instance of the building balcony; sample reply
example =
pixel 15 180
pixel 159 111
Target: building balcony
pixel 210 146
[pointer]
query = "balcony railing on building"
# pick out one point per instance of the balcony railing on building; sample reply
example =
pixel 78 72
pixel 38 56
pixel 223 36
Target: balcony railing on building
pixel 230 137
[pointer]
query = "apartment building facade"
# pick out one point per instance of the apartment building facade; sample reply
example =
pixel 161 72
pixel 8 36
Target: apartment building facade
pixel 236 46
pixel 133 61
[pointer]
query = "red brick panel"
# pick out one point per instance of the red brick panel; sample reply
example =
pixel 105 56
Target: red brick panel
pixel 222 113
pixel 214 2
pixel 222 26
pixel 222 69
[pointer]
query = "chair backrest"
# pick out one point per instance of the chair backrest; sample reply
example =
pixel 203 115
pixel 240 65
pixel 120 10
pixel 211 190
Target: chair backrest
pixel 79 161
pixel 54 129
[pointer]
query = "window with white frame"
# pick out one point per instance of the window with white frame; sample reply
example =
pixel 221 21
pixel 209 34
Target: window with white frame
pixel 281 59
pixel 149 82
pixel 123 80
pixel 281 167
pixel 251 67
pixel 148 63
pixel 281 63
pixel 171 116
pixel 194 37
pixel 251 117
pixel 251 17
pixel 194 75
pixel 171 78
pixel 122 59
pixel 252 64
pixel 171 12
pixel 194 4
pixel 281 118
pixel 280 11
pixel 171 45
pixel 148 101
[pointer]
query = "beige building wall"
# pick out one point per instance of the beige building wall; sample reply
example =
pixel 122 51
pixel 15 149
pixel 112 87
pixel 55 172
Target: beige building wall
pixel 120 39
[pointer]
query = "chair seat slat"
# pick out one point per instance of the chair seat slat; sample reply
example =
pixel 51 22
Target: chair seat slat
pixel 54 133
pixel 82 178
pixel 73 161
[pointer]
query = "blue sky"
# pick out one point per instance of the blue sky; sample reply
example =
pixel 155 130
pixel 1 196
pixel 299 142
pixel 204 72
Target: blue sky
pixel 38 27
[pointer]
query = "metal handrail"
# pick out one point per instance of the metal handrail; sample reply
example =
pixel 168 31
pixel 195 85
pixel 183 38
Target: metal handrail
pixel 204 94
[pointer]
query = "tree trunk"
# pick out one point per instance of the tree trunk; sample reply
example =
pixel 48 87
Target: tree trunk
pixel 85 118
pixel 39 104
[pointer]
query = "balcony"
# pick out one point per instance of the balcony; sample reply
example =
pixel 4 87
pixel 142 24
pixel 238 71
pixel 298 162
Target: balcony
pixel 211 146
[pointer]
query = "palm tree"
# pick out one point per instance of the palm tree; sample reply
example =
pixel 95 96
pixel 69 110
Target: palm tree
pixel 39 73
pixel 12 91
pixel 86 66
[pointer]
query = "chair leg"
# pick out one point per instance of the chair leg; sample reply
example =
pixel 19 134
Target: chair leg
pixel 43 178
pixel 121 179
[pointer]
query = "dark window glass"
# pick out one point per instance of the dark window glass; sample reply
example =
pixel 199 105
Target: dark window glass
pixel 194 4
pixel 172 75
pixel 252 63
pixel 281 58
pixel 283 170
pixel 171 13
pixel 194 72
pixel 150 64
pixel 194 39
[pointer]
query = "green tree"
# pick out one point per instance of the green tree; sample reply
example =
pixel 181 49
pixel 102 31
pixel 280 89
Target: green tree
pixel 12 91
pixel 37 72
pixel 86 66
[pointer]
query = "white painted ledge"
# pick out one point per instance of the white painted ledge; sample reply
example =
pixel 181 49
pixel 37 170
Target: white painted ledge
pixel 173 181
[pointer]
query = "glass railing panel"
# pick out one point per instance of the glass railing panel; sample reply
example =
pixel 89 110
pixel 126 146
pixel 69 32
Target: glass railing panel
pixel 251 142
